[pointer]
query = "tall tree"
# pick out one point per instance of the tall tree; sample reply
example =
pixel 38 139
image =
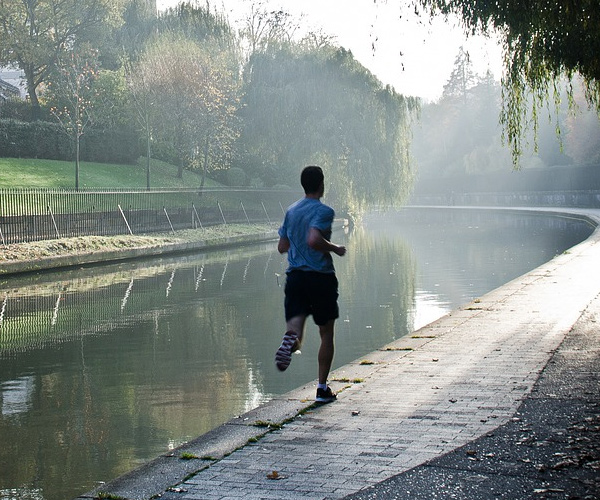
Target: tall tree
pixel 197 23
pixel 194 94
pixel 139 79
pixel 35 33
pixel 72 87
pixel 264 27
pixel 462 77
pixel 138 28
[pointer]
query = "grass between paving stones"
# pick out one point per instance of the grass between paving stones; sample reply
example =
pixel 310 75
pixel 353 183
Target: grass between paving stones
pixel 347 380
pixel 269 425
pixel 109 496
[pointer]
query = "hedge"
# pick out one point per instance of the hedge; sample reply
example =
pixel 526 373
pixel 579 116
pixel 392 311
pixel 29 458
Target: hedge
pixel 47 140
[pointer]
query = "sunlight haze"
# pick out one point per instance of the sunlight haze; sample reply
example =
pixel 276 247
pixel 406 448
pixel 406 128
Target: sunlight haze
pixel 413 55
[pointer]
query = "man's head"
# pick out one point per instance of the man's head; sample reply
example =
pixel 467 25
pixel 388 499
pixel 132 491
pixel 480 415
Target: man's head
pixel 312 180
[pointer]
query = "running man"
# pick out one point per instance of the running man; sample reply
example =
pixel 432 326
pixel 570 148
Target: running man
pixel 311 285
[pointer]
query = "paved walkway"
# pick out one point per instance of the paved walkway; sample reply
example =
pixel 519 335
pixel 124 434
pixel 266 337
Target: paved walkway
pixel 399 408
pixel 550 448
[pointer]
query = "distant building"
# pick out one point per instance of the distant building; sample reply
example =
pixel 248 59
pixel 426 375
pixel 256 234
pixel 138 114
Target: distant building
pixel 12 84
pixel 8 91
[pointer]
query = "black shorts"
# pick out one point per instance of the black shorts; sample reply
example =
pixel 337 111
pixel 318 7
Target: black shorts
pixel 309 292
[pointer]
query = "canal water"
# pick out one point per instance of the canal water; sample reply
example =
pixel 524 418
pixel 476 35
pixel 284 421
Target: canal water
pixel 104 368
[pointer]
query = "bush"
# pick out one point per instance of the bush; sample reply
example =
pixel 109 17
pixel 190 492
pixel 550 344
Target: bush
pixel 33 140
pixel 236 177
pixel 47 140
pixel 164 151
pixel 112 146
pixel 20 110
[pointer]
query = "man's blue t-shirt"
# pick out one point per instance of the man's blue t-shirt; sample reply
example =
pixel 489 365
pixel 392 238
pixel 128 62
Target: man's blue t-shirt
pixel 299 218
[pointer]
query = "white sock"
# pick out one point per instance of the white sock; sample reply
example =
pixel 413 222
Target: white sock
pixel 322 386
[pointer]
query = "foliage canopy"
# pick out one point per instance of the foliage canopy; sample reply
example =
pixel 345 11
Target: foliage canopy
pixel 194 95
pixel 35 33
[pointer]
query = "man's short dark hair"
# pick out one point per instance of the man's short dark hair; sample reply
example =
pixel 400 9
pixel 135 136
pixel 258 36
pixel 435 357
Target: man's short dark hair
pixel 311 179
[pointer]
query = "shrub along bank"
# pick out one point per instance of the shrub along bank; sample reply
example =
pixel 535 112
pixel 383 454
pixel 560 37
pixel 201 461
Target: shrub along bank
pixel 48 140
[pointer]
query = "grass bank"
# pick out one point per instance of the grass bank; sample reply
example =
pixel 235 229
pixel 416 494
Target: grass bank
pixel 39 250
pixel 33 173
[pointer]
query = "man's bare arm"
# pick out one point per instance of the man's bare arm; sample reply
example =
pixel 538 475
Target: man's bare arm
pixel 318 242
pixel 283 245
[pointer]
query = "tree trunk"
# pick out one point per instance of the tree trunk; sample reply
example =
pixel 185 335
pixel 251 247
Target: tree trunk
pixel 180 169
pixel 36 110
pixel 148 152
pixel 77 140
pixel 205 161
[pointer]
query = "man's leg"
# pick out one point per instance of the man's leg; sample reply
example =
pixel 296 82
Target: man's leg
pixel 326 350
pixel 291 342
pixel 296 325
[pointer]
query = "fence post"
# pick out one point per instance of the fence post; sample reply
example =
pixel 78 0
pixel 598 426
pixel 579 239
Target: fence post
pixel 169 220
pixel 125 219
pixel 221 210
pixel 54 222
pixel 242 203
pixel 266 213
pixel 197 216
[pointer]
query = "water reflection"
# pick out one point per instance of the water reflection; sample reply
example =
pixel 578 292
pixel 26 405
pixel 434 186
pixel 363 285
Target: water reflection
pixel 106 367
pixel 462 254
pixel 17 396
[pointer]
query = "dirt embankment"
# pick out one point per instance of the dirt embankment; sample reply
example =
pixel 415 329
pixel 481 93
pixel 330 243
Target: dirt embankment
pixel 39 251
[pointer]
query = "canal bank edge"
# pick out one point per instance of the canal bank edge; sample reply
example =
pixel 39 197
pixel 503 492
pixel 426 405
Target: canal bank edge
pixel 189 244
pixel 110 256
pixel 169 470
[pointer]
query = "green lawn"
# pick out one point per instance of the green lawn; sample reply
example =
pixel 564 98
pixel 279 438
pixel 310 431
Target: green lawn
pixel 32 173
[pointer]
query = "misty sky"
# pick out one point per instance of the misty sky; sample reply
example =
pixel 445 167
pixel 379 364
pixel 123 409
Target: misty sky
pixel 413 55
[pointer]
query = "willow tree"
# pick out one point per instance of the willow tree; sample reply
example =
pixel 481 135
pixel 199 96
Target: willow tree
pixel 305 104
pixel 544 41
